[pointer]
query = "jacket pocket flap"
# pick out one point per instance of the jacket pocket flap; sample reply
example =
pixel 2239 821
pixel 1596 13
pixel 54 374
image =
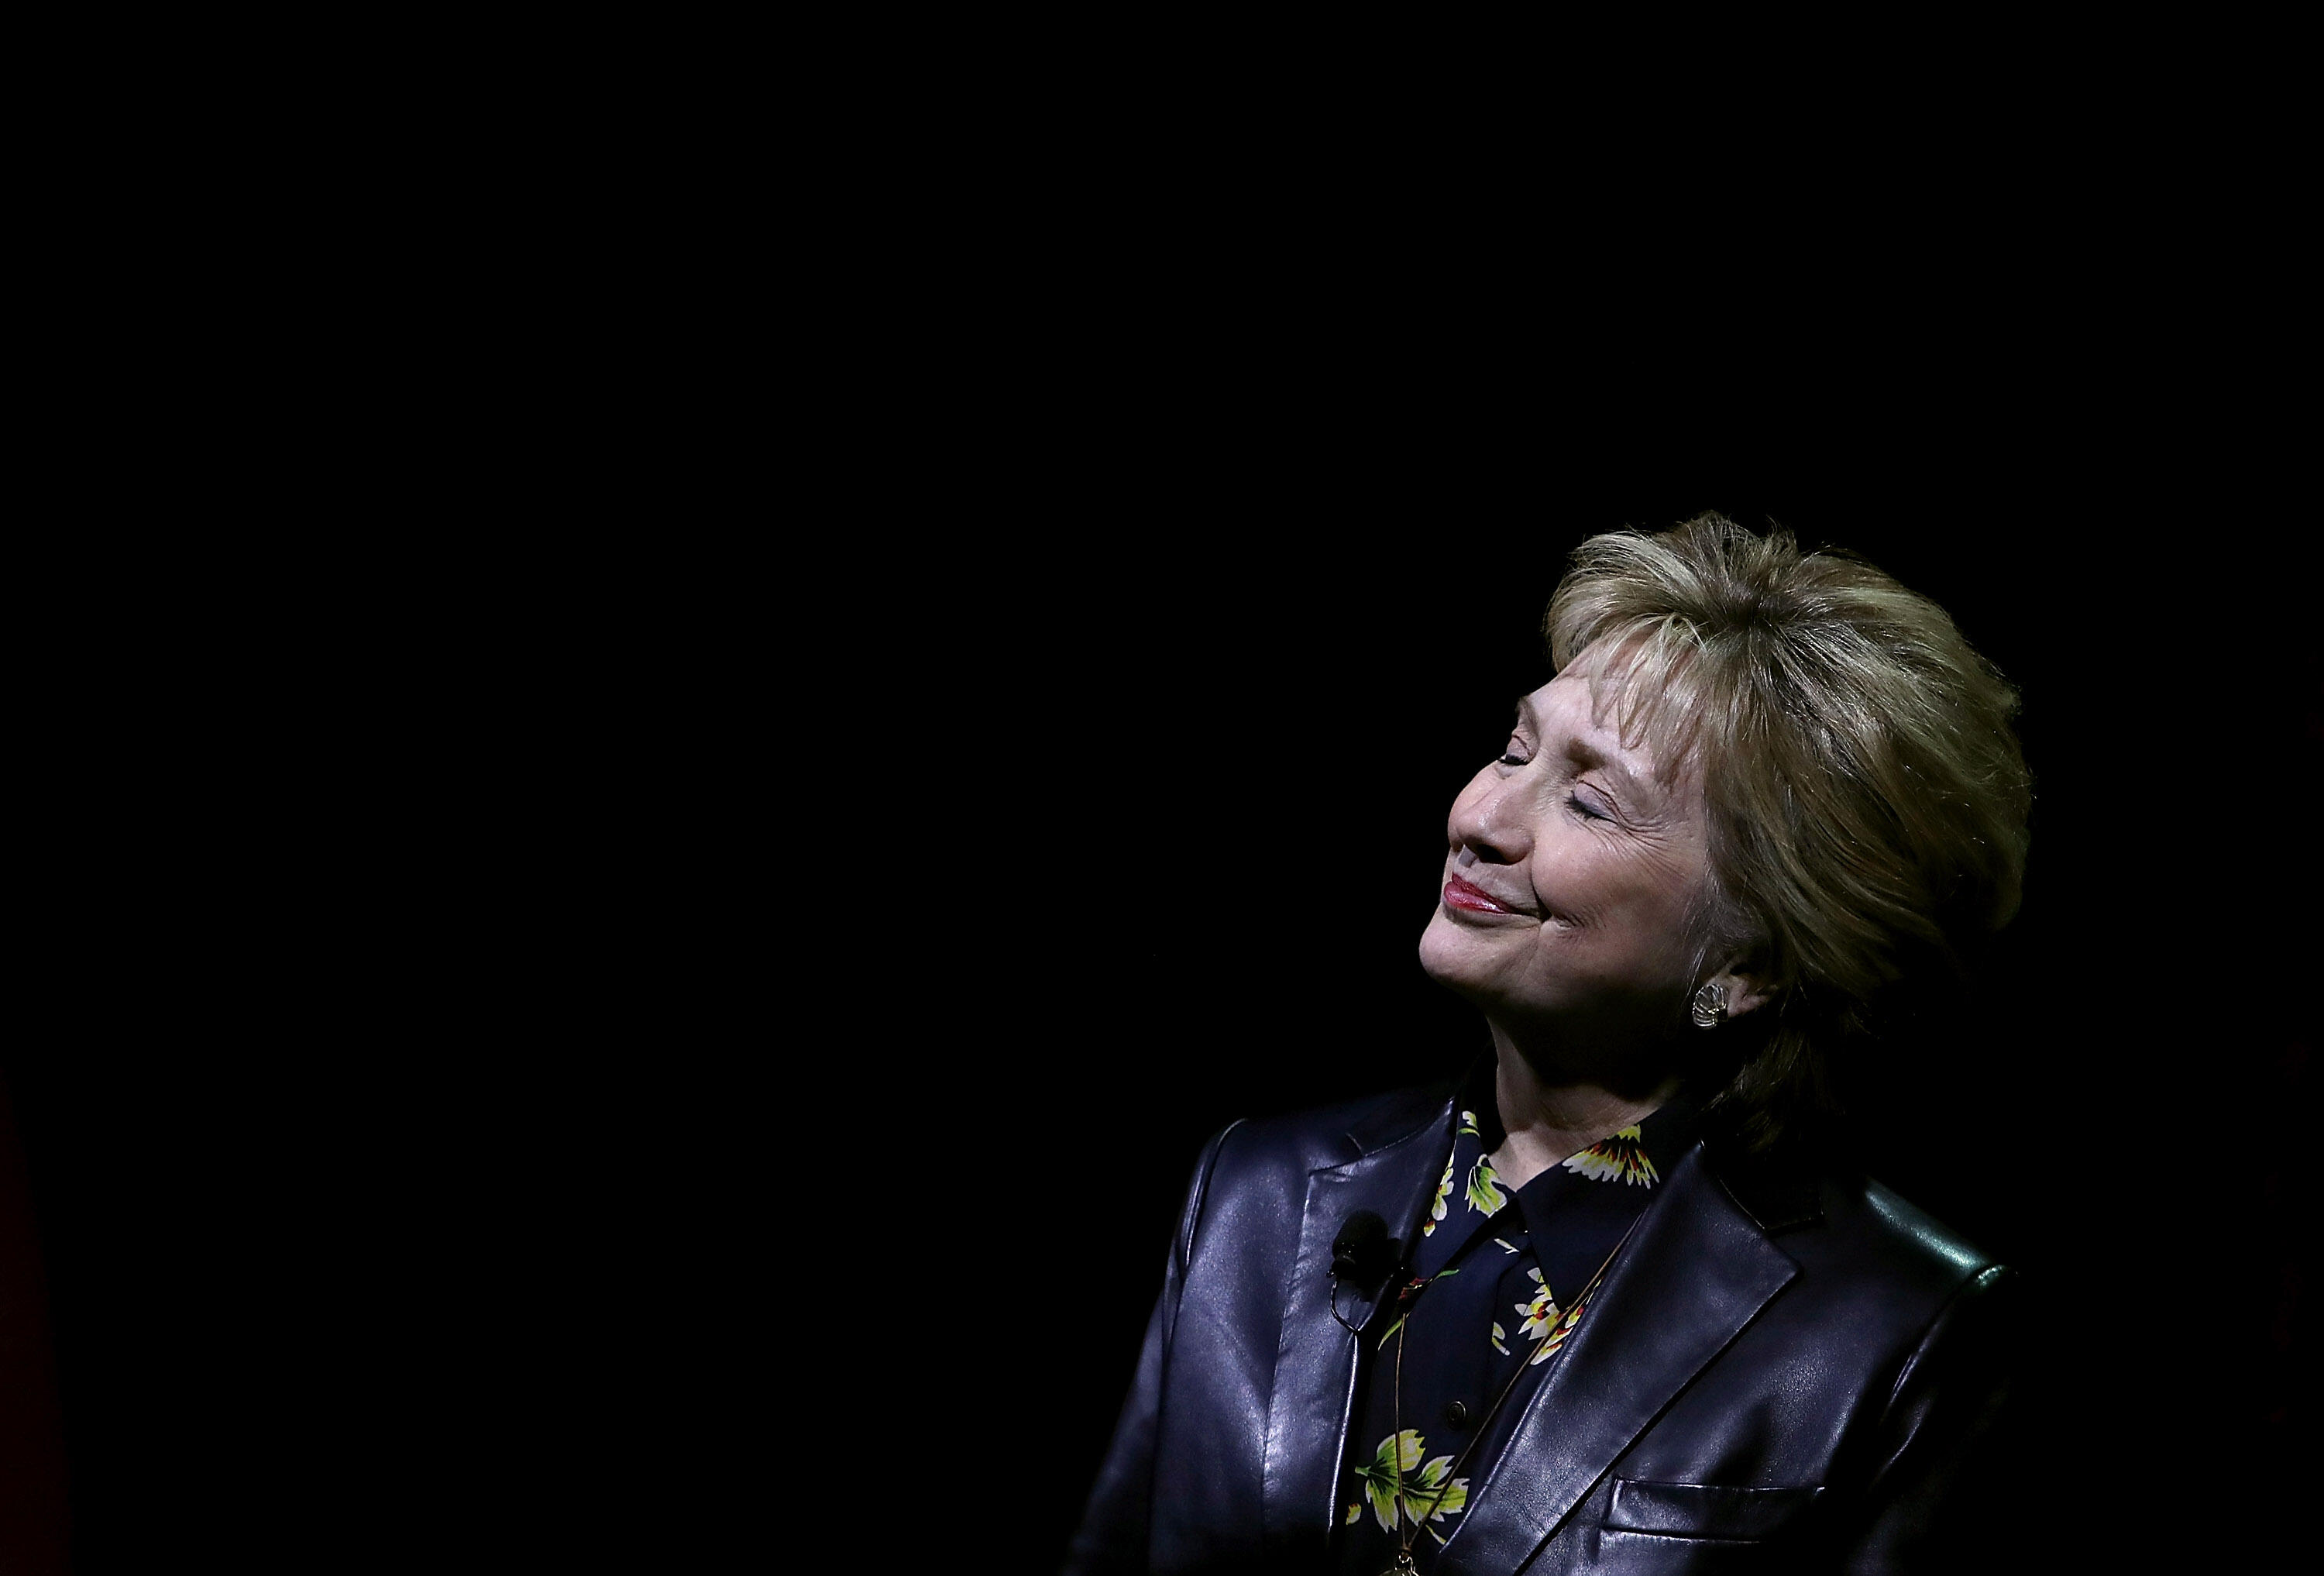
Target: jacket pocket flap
pixel 1704 1510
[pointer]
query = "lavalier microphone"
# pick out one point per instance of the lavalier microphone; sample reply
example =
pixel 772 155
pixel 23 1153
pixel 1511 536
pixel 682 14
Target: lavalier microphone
pixel 1362 1253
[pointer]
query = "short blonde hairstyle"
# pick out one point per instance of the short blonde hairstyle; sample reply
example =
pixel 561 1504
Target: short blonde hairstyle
pixel 1866 797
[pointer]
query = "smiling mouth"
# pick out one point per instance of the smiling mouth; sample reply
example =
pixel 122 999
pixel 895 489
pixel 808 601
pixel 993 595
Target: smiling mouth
pixel 1462 897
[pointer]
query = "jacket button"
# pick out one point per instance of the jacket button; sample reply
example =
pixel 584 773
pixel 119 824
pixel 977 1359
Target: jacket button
pixel 1456 1415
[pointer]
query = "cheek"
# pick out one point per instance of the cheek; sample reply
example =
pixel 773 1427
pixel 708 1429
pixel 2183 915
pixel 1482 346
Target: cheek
pixel 1661 930
pixel 1634 903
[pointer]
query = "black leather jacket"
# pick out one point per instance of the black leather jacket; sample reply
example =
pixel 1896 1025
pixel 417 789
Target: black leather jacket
pixel 1786 1370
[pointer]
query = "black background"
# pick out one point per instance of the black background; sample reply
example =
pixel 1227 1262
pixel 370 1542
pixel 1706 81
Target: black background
pixel 677 759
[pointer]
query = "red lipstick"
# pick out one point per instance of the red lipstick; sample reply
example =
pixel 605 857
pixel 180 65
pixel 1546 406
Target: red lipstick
pixel 1459 894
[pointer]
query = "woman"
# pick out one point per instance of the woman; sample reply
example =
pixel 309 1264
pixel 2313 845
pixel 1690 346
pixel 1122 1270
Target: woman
pixel 1607 1304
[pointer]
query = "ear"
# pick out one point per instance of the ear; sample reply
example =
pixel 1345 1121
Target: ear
pixel 1743 985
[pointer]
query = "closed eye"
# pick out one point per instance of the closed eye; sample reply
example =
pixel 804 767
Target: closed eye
pixel 1585 809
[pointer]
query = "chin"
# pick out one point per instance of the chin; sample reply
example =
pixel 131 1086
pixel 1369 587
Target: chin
pixel 1448 956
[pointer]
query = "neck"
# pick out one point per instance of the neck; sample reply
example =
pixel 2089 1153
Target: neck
pixel 1550 1116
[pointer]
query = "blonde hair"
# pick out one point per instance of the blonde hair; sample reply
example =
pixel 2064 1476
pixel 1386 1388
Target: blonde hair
pixel 1865 796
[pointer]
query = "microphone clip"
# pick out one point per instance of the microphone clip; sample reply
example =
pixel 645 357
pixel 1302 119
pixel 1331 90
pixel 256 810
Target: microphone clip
pixel 1362 1254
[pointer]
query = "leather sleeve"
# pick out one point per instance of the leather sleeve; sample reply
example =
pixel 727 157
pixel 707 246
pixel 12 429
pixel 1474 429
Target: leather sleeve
pixel 1942 1485
pixel 1113 1532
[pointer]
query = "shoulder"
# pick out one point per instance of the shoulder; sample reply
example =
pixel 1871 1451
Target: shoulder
pixel 1884 1237
pixel 1252 1184
pixel 1334 1134
pixel 1881 1225
pixel 1865 1254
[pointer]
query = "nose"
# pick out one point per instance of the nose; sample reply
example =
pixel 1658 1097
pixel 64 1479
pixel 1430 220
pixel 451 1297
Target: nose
pixel 1485 823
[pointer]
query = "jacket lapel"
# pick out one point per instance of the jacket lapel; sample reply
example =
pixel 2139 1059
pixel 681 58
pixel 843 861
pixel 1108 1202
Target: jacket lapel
pixel 1315 1359
pixel 1699 1271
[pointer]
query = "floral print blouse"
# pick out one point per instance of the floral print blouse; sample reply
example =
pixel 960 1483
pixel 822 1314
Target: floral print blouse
pixel 1499 1280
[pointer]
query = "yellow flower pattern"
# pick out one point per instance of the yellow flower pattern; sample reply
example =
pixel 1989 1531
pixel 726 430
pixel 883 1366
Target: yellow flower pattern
pixel 1541 1312
pixel 1438 1208
pixel 1484 1190
pixel 1573 1316
pixel 1620 1158
pixel 1402 1490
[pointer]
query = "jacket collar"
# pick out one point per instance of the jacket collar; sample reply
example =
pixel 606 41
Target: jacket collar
pixel 1778 1189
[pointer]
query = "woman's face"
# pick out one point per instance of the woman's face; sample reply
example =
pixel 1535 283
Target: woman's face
pixel 1574 886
